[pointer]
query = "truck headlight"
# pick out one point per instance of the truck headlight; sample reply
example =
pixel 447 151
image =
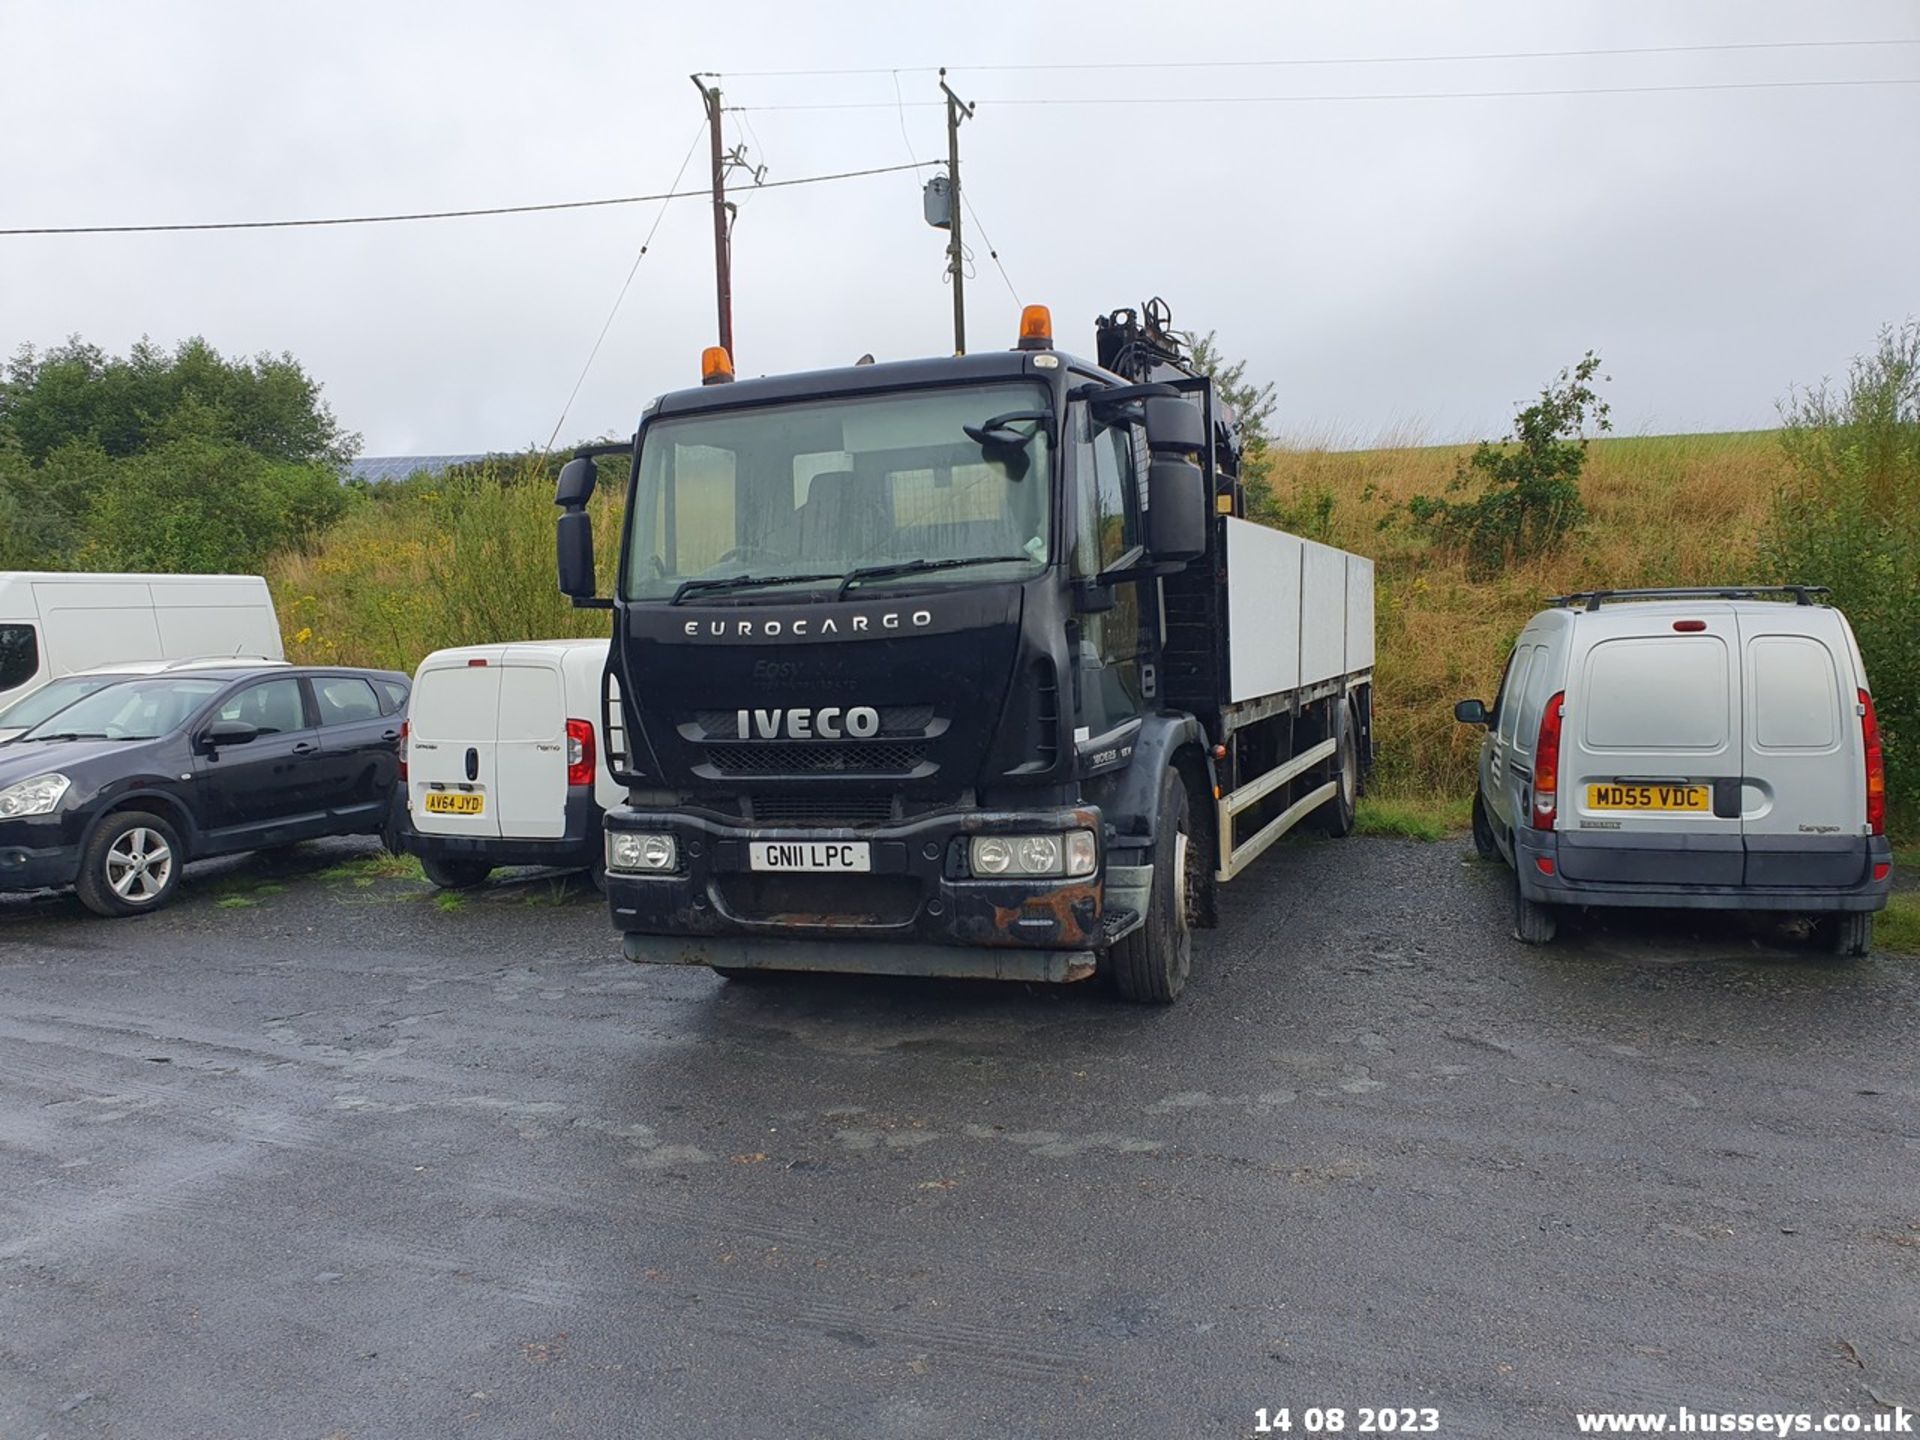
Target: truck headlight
pixel 635 852
pixel 39 796
pixel 1071 854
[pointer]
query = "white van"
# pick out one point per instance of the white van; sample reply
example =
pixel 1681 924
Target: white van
pixel 1712 749
pixel 55 624
pixel 504 759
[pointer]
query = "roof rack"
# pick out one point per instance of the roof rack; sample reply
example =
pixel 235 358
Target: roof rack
pixel 1592 599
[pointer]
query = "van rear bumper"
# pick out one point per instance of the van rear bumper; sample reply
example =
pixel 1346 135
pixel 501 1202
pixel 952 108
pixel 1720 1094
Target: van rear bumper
pixel 581 847
pixel 1834 874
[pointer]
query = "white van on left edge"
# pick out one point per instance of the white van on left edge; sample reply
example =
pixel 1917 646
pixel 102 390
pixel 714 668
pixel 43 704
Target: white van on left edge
pixel 54 624
pixel 505 760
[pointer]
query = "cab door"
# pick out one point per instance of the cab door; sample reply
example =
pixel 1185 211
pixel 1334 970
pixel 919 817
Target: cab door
pixel 1114 679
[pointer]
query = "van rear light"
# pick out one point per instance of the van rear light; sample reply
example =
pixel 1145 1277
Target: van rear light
pixel 1876 767
pixel 1689 627
pixel 1546 764
pixel 579 752
pixel 403 751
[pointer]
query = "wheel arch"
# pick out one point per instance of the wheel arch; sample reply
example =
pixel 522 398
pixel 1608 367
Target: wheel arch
pixel 153 802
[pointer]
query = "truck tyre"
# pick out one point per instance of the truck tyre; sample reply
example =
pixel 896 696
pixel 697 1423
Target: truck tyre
pixel 1335 818
pixel 131 865
pixel 1533 922
pixel 1484 845
pixel 1849 933
pixel 1151 965
pixel 455 873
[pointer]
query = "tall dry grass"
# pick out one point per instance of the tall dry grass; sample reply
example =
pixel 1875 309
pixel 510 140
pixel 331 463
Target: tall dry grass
pixel 1664 510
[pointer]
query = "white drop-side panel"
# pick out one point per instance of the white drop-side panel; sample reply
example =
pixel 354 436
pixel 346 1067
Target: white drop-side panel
pixel 1323 613
pixel 1263 610
pixel 1359 613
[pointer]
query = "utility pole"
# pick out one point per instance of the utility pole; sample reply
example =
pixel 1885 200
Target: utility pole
pixel 957 110
pixel 722 257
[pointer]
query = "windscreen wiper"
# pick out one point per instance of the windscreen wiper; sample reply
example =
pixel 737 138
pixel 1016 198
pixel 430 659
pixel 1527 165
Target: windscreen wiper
pixel 918 567
pixel 742 582
pixel 71 735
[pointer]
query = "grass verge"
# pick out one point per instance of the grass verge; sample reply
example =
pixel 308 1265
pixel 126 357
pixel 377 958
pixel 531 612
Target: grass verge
pixel 1413 819
pixel 1898 926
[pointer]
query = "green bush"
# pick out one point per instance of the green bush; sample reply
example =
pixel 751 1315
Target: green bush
pixel 1849 518
pixel 1529 498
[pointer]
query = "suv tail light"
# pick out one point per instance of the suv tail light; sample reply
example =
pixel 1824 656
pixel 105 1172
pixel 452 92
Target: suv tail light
pixel 1876 767
pixel 579 752
pixel 403 752
pixel 1546 764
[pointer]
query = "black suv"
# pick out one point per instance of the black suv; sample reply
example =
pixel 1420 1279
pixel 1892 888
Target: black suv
pixel 115 793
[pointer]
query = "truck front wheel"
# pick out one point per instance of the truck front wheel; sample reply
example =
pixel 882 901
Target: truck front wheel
pixel 1151 965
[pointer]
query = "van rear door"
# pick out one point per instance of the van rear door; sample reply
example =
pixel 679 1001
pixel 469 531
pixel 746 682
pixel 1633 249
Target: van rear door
pixel 530 776
pixel 1805 778
pixel 452 725
pixel 1651 750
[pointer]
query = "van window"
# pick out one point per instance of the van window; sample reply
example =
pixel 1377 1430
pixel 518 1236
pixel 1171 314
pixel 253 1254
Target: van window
pixel 1540 682
pixel 1796 695
pixel 1516 686
pixel 344 699
pixel 455 703
pixel 1647 693
pixel 19 655
pixel 530 705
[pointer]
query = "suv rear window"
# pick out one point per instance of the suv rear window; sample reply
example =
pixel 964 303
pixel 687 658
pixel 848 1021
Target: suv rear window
pixel 1656 693
pixel 19 655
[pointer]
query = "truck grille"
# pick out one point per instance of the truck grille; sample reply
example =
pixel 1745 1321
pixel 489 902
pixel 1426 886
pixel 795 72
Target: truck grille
pixel 820 900
pixel 822 810
pixel 854 757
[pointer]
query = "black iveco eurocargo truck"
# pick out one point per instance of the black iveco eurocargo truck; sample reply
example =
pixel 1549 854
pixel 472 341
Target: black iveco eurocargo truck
pixel 965 666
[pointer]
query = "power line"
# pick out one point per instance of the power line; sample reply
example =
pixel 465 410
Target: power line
pixel 632 270
pixel 992 250
pixel 1341 99
pixel 442 214
pixel 1345 60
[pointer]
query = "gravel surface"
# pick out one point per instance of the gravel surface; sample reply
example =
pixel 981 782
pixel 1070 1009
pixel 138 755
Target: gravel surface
pixel 314 1154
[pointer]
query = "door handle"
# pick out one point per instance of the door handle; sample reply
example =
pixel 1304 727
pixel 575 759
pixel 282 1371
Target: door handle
pixel 389 734
pixel 305 747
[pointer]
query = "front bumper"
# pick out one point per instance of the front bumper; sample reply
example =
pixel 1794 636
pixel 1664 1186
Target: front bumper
pixel 918 911
pixel 38 854
pixel 1859 891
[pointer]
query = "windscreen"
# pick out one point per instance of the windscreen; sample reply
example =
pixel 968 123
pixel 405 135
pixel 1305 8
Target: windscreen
pixel 50 699
pixel 820 488
pixel 129 710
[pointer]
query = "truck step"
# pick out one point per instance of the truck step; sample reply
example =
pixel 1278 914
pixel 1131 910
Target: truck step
pixel 1116 924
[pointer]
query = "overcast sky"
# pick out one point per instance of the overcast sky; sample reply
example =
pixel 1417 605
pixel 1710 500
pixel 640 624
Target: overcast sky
pixel 1397 267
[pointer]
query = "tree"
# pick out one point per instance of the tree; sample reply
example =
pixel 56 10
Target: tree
pixel 76 391
pixel 1848 517
pixel 162 460
pixel 1254 405
pixel 1529 485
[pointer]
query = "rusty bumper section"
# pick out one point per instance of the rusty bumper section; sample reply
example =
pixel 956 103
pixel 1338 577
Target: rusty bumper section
pixel 862 957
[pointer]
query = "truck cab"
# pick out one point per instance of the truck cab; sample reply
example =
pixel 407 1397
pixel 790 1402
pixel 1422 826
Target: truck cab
pixel 910 665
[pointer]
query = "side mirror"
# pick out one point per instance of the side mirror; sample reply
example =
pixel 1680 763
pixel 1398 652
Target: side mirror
pixel 578 477
pixel 1472 712
pixel 573 552
pixel 1173 423
pixel 222 733
pixel 1176 510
